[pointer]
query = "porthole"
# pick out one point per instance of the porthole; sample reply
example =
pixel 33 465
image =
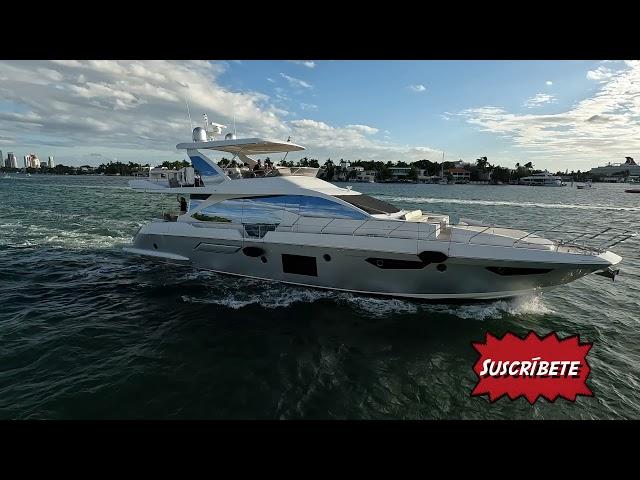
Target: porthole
pixel 327 257
pixel 155 245
pixel 441 267
pixel 264 259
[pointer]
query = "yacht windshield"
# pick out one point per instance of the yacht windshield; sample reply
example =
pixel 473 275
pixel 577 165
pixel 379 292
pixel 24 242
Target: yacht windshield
pixel 369 204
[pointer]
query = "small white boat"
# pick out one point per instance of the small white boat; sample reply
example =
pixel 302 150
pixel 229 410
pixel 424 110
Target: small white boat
pixel 543 179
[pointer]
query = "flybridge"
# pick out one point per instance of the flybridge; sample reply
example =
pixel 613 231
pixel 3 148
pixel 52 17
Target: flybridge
pixel 204 138
pixel 206 172
pixel 248 146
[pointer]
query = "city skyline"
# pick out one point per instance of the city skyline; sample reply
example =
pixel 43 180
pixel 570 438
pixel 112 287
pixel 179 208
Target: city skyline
pixel 559 115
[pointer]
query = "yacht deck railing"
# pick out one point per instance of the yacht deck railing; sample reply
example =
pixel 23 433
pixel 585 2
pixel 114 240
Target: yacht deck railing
pixel 585 242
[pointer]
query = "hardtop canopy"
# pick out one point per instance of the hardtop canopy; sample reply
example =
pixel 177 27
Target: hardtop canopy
pixel 244 146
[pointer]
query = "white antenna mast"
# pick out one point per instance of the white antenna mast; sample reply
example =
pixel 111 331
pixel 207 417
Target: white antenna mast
pixel 235 133
pixel 189 113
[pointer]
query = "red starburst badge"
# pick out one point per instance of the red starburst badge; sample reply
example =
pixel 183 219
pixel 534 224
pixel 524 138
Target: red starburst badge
pixel 532 367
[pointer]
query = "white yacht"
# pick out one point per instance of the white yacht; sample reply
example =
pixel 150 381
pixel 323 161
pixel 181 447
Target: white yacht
pixel 292 227
pixel 543 179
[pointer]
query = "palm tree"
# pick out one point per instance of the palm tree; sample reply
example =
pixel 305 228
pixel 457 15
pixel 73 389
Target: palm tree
pixel 482 163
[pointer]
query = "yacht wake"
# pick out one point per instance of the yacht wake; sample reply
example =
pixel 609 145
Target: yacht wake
pixel 266 298
pixel 243 292
pixel 563 206
pixel 526 305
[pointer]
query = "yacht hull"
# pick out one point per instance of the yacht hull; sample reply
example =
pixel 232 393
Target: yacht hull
pixel 364 265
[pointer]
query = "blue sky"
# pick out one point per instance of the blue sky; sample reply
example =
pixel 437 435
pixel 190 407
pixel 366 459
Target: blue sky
pixel 558 114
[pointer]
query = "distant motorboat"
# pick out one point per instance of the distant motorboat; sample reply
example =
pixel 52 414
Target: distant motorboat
pixel 543 179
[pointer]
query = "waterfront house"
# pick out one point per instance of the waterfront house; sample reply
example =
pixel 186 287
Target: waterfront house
pixel 366 176
pixel 459 175
pixel 399 173
pixel 424 177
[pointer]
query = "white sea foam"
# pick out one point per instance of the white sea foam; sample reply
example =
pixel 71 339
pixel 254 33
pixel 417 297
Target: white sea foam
pixel 239 294
pixel 563 206
pixel 36 235
pixel 378 306
pixel 526 305
pixel 267 298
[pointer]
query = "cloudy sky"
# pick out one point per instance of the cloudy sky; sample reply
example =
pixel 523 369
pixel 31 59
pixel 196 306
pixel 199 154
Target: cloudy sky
pixel 558 114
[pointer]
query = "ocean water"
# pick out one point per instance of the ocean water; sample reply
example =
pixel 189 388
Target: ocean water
pixel 87 331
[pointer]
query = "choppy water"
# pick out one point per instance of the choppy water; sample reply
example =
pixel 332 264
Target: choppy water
pixel 89 332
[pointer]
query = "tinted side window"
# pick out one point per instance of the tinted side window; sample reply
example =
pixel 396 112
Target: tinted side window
pixel 369 204
pixel 193 204
pixel 196 199
pixel 269 209
pixel 225 211
pixel 263 210
pixel 266 207
pixel 322 207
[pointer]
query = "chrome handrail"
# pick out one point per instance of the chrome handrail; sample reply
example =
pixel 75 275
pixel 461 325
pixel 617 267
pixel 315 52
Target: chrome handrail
pixel 478 233
pixel 610 236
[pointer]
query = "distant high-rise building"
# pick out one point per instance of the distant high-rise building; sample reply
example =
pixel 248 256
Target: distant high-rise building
pixel 51 163
pixel 12 160
pixel 31 161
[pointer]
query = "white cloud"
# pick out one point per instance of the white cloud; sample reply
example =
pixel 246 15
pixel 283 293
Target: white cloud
pixel 308 106
pixel 419 88
pixel 366 129
pixel 135 111
pixel 549 82
pixel 50 74
pixel 124 104
pixel 600 74
pixel 296 82
pixel 305 63
pixel 271 80
pixel 603 127
pixel 352 141
pixel 539 99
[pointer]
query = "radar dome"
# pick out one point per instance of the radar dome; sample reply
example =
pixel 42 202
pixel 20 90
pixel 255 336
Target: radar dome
pixel 199 134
